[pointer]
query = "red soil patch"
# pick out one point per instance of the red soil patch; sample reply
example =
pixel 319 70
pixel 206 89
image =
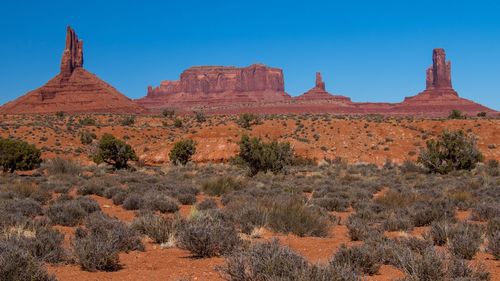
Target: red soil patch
pixel 153 264
pixel 112 210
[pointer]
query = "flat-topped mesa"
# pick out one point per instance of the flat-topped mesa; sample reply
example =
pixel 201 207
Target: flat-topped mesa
pixel 72 57
pixel 319 94
pixel 216 85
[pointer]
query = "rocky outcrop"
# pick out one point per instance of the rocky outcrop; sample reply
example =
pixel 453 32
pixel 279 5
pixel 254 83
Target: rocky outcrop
pixel 73 53
pixel 318 94
pixel 73 90
pixel 439 97
pixel 219 85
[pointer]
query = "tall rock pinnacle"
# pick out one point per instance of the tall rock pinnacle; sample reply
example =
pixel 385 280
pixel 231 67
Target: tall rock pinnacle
pixel 319 81
pixel 73 53
pixel 439 74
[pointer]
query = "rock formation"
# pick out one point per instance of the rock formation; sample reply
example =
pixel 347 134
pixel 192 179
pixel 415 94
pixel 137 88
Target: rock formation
pixel 73 53
pixel 73 90
pixel 218 86
pixel 318 94
pixel 439 97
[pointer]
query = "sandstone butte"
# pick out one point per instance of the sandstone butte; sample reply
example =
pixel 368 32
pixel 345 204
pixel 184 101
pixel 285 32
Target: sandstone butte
pixel 227 90
pixel 73 90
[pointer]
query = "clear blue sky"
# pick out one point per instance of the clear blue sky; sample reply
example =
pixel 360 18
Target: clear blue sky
pixel 368 50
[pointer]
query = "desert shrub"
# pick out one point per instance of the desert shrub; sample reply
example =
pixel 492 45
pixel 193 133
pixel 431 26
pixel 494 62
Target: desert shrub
pixel 221 185
pixel 168 112
pixel 114 152
pixel 17 264
pixel 459 269
pixel 426 266
pixel 493 226
pixel 398 221
pixel 186 198
pixel 260 156
pixel 265 261
pixel 206 204
pixel 485 212
pixel 59 166
pixel 439 232
pixel 271 261
pixel 125 237
pixel 337 204
pixel 128 121
pixel 133 201
pixel 22 189
pixel 119 197
pixel 481 114
pixel 465 240
pixel 159 229
pixel 456 114
pixel 246 120
pixel 25 207
pixel 359 230
pixel 87 137
pixel 247 215
pixel 182 152
pixel 293 216
pixel 494 244
pixel 18 155
pixel 425 212
pixel 91 187
pixel 199 116
pixel 88 121
pixel 362 259
pixel 206 235
pixel 96 246
pixel 40 239
pixel 71 212
pixel 178 123
pixel 161 203
pixel 95 251
pixel 452 151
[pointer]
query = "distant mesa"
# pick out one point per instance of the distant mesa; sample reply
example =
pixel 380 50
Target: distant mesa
pixel 73 90
pixel 208 86
pixel 320 95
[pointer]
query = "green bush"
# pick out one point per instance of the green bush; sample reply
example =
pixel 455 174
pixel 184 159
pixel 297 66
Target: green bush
pixel 128 121
pixel 113 151
pixel 221 185
pixel 18 155
pixel 456 114
pixel 182 152
pixel 246 120
pixel 260 156
pixel 452 151
pixel 87 137
pixel 168 112
pixel 178 123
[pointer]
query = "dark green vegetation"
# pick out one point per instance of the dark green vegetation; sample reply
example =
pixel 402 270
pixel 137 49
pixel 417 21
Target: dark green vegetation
pixel 452 151
pixel 18 155
pixel 262 157
pixel 182 152
pixel 114 152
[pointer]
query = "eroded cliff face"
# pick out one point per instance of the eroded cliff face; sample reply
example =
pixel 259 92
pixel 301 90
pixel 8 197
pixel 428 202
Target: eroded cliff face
pixel 219 85
pixel 73 90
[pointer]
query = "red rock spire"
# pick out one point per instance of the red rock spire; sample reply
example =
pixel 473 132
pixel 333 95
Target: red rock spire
pixel 319 81
pixel 439 74
pixel 73 53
